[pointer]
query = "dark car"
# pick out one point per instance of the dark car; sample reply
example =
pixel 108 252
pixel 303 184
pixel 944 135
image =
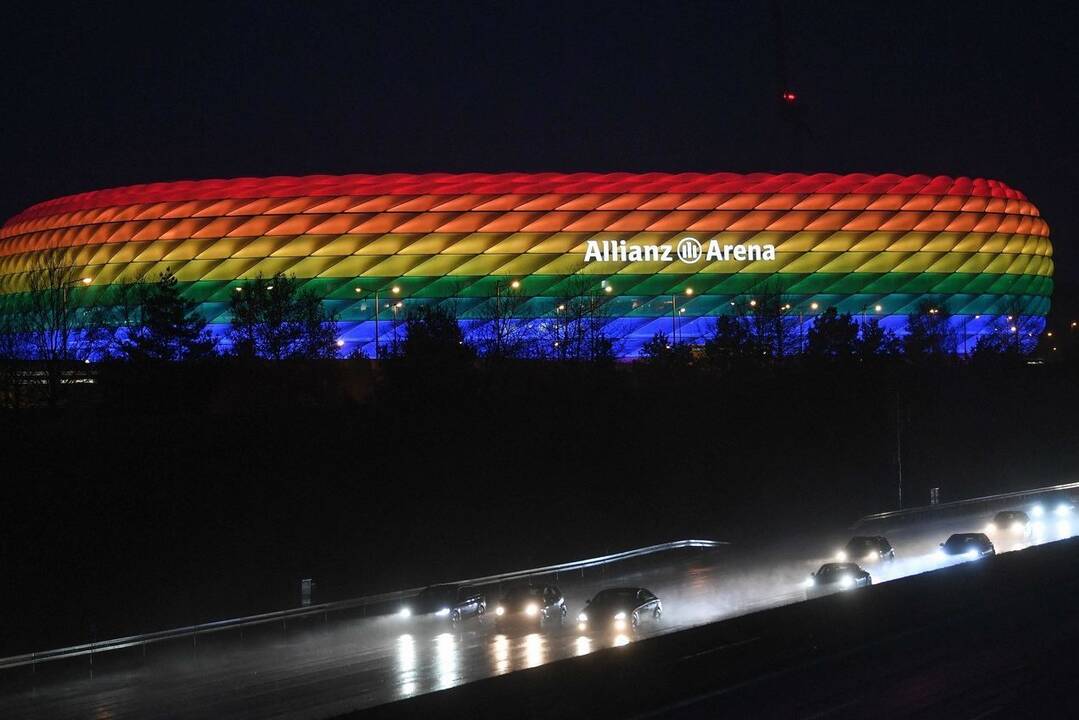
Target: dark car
pixel 530 604
pixel 835 577
pixel 454 602
pixel 867 548
pixel 1015 522
pixel 619 609
pixel 967 545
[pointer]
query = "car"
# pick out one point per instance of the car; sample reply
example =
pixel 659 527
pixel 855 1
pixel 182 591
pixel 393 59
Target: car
pixel 1060 506
pixel 967 545
pixel 836 577
pixel 530 604
pixel 867 548
pixel 1015 522
pixel 619 609
pixel 453 602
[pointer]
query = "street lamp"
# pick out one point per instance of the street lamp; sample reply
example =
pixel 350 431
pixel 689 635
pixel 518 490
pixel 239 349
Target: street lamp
pixel 85 282
pixel 675 311
pixel 397 306
pixel 396 290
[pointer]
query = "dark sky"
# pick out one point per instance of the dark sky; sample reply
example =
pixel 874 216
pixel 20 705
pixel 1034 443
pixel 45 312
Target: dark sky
pixel 99 95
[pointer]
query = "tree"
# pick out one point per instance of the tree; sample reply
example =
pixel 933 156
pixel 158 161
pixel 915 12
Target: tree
pixel 1020 328
pixel 168 327
pixel 771 321
pixel 502 332
pixel 875 341
pixel 577 329
pixel 58 326
pixel 10 356
pixel 433 337
pixel 929 333
pixel 832 336
pixel 731 343
pixel 274 319
pixel 661 352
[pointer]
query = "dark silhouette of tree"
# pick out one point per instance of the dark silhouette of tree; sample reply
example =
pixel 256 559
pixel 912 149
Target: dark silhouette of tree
pixel 274 319
pixel 876 341
pixel 503 333
pixel 661 352
pixel 929 333
pixel 433 336
pixel 832 336
pixel 731 343
pixel 59 327
pixel 577 328
pixel 11 354
pixel 167 327
pixel 1019 327
pixel 772 320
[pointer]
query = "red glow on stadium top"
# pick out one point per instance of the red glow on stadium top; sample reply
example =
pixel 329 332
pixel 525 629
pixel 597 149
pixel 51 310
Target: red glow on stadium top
pixel 522 184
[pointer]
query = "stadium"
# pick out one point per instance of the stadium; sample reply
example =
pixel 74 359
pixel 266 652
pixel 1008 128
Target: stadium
pixel 373 247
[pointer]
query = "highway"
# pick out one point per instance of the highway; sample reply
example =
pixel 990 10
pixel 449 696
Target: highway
pixel 322 670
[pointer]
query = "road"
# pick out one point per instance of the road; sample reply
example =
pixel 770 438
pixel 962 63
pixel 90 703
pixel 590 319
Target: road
pixel 324 670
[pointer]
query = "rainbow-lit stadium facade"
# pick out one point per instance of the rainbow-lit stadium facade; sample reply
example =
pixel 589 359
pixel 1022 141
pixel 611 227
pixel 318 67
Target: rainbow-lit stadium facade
pixel 856 242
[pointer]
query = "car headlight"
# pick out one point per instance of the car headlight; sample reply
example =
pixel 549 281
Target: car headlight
pixel 871 557
pixel 809 582
pixel 1017 527
pixel 620 624
pixel 846 582
pixel 405 612
pixel 531 610
pixel 620 616
pixel 1062 509
pixel 582 618
pixel 991 527
pixel 841 556
pixel 443 612
pixel 582 626
pixel 1037 511
pixel 971 554
pixel 500 610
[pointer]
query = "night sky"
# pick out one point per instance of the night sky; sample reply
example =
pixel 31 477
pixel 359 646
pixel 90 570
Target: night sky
pixel 99 95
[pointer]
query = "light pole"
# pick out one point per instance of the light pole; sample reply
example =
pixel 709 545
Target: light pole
pixel 674 314
pixel 396 306
pixel 801 325
pixel 85 282
pixel 500 327
pixel 396 290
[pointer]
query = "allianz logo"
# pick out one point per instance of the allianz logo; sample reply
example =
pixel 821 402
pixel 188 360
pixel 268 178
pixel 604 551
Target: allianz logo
pixel 688 250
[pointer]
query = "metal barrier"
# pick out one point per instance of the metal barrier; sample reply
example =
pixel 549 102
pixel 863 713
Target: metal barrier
pixel 193 631
pixel 959 504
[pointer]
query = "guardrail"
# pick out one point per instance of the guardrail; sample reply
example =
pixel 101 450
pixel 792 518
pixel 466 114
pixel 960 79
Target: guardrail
pixel 283 616
pixel 944 507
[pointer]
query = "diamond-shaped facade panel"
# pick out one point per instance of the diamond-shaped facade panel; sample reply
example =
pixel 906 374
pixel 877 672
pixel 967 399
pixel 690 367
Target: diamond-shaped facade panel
pixel 870 245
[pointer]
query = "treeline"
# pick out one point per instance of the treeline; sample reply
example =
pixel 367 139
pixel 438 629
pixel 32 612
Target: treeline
pixel 46 338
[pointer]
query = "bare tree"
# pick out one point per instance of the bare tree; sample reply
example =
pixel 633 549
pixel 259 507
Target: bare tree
pixel 768 311
pixel 60 328
pixel 504 331
pixel 579 326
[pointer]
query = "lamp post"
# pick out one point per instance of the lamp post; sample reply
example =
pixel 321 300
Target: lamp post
pixel 500 327
pixel 396 290
pixel 396 306
pixel 674 314
pixel 84 282
pixel 801 325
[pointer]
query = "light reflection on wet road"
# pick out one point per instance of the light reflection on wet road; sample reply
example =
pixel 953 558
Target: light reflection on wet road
pixel 354 663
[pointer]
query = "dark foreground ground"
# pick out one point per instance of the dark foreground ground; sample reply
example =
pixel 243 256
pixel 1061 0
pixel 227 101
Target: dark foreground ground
pixel 993 638
pixel 193 498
